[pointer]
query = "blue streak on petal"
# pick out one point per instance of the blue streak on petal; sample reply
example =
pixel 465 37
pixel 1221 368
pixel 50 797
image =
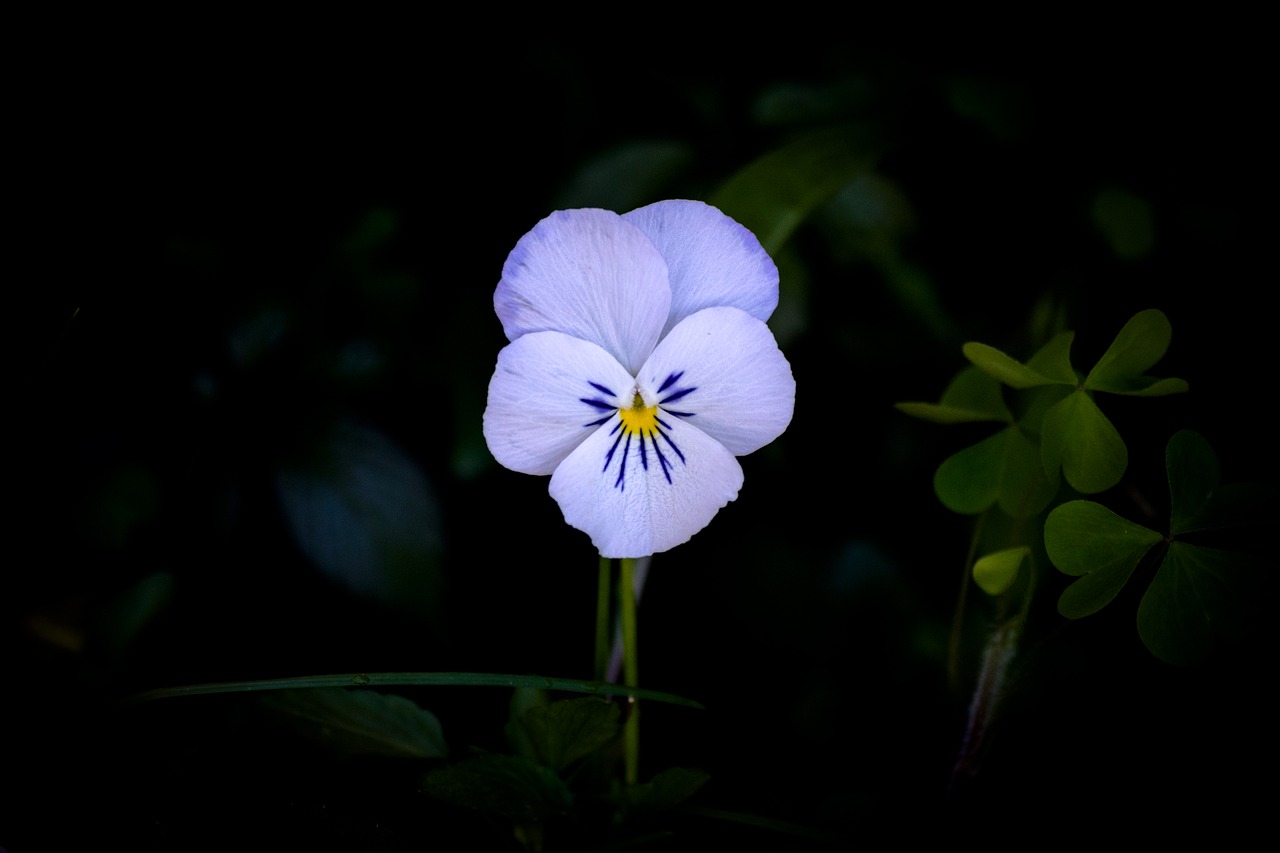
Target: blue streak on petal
pixel 602 389
pixel 683 392
pixel 644 457
pixel 670 380
pixel 679 414
pixel 597 423
pixel 599 404
pixel 672 444
pixel 666 465
pixel 608 457
pixel 622 464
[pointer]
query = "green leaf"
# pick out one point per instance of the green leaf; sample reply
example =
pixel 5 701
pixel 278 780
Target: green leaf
pixel 1197 593
pixel 1088 540
pixel 971 396
pixel 562 732
pixel 508 786
pixel 1025 488
pixel 774 194
pixel 667 789
pixel 968 482
pixel 1140 344
pixel 1053 360
pixel 359 722
pixel 994 573
pixel 1003 367
pixel 1079 439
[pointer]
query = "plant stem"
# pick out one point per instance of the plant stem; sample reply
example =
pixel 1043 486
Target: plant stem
pixel 603 601
pixel 630 668
pixel 1002 645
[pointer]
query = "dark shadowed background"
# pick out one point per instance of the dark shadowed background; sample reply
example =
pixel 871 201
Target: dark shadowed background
pixel 255 331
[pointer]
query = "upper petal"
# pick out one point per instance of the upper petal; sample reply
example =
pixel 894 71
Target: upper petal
pixel 589 274
pixel 712 259
pixel 644 497
pixel 724 372
pixel 545 393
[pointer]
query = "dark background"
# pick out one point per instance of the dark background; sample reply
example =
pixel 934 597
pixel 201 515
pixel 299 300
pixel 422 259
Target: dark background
pixel 231 245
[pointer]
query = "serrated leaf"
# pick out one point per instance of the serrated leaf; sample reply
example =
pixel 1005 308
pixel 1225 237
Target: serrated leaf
pixel 1053 360
pixel 1194 596
pixel 1078 438
pixel 1140 344
pixel 1088 540
pixel 359 722
pixel 774 194
pixel 562 732
pixel 994 573
pixel 507 786
pixel 1004 367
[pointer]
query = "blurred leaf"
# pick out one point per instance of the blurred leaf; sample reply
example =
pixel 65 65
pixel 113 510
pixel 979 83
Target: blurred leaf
pixel 774 194
pixel 666 790
pixel 1053 360
pixel 994 573
pixel 1078 438
pixel 363 513
pixel 1140 344
pixel 132 611
pixel 971 396
pixel 508 786
pixel 562 732
pixel 627 176
pixel 1086 539
pixel 1197 593
pixel 359 722
pixel 1125 221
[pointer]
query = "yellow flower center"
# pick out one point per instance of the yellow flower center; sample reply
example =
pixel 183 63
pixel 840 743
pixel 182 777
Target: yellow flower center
pixel 639 418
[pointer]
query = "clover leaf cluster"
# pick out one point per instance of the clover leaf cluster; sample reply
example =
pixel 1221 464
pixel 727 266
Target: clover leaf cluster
pixel 1056 444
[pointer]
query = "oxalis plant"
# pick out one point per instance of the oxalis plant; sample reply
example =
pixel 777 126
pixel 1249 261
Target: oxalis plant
pixel 1028 488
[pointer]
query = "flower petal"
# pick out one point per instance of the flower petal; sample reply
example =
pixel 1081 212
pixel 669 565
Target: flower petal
pixel 538 409
pixel 591 275
pixel 643 512
pixel 713 260
pixel 723 371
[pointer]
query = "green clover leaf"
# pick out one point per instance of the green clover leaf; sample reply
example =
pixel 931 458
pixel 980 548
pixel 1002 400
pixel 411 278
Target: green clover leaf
pixel 1076 436
pixel 996 572
pixel 1197 592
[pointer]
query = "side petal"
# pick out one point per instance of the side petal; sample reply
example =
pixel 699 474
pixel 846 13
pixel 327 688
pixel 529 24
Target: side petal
pixel 591 275
pixel 721 370
pixel 633 505
pixel 548 393
pixel 713 260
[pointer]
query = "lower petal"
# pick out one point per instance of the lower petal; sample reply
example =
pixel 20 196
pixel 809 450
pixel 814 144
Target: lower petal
pixel 545 394
pixel 638 495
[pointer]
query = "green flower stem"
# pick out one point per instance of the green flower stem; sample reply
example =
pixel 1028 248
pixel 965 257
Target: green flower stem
pixel 603 601
pixel 630 668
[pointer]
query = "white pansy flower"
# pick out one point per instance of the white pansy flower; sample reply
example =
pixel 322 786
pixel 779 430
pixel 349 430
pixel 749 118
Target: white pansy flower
pixel 639 367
